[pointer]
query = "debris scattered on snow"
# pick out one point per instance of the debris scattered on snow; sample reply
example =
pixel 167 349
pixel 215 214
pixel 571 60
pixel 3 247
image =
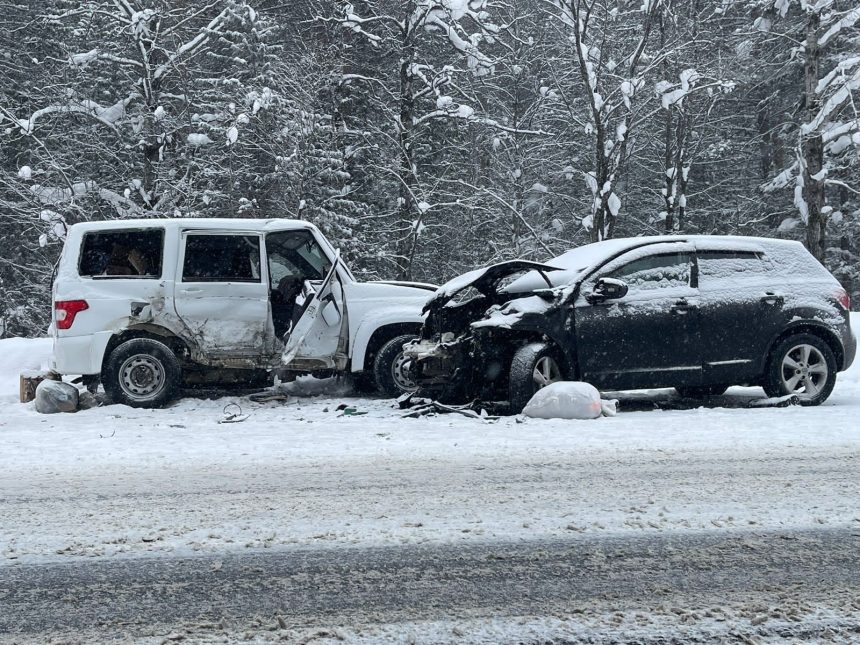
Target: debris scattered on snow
pixel 776 402
pixel 420 407
pixel 349 411
pixel 233 414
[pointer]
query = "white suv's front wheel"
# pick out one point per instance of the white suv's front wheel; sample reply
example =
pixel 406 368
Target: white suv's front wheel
pixel 142 373
pixel 391 368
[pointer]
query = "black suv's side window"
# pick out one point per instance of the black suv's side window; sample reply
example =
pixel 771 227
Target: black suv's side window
pixel 122 254
pixel 715 265
pixel 221 258
pixel 656 272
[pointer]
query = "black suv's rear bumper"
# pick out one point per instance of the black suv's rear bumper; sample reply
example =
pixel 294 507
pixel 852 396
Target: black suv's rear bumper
pixel 849 347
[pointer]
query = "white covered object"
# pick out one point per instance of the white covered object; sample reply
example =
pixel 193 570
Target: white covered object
pixel 565 400
pixel 56 396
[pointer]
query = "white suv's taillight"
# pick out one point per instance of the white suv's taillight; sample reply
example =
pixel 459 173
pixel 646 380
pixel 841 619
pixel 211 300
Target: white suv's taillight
pixel 843 299
pixel 66 310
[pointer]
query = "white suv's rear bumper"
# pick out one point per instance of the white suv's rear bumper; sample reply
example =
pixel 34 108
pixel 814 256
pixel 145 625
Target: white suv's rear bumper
pixel 80 354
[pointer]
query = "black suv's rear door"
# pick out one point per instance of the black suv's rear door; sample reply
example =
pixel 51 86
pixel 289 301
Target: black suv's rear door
pixel 741 310
pixel 649 337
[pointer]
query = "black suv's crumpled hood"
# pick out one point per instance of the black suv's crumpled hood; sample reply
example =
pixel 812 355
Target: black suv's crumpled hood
pixel 484 280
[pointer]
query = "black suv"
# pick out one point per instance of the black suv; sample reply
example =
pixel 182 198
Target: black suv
pixel 697 313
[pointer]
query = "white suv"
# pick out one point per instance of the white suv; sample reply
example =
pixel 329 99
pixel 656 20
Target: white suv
pixel 146 306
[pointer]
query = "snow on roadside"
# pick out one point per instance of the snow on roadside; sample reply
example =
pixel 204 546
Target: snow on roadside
pixel 18 355
pixel 119 481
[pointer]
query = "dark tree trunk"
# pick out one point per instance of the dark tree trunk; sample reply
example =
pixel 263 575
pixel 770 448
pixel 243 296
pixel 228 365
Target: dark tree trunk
pixel 812 146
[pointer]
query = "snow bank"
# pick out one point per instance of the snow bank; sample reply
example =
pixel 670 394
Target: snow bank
pixel 18 355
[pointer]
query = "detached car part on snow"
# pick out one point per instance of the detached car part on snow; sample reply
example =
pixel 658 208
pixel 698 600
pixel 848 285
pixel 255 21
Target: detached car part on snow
pixel 148 306
pixel 697 313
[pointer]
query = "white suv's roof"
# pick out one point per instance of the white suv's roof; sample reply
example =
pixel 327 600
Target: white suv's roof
pixel 223 223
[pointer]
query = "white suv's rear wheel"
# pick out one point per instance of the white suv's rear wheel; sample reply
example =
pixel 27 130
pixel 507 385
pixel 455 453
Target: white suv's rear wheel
pixel 142 373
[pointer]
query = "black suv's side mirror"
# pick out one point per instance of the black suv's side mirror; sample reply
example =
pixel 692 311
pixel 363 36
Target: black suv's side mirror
pixel 607 289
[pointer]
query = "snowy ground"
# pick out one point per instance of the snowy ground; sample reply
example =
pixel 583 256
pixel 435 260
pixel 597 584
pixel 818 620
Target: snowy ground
pixel 301 473
pixel 117 483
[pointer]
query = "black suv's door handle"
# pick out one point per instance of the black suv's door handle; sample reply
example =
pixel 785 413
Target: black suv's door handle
pixel 772 299
pixel 682 307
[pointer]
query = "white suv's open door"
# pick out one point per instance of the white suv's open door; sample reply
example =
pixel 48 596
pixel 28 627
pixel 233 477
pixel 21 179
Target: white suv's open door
pixel 317 333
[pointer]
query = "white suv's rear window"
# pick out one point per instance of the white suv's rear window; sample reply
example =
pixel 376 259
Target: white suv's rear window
pixel 122 254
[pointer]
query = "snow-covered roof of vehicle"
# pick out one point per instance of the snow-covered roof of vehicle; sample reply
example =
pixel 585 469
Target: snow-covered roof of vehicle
pixel 577 263
pixel 214 223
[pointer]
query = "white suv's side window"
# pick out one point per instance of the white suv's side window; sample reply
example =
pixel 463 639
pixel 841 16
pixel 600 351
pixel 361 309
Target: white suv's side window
pixel 122 254
pixel 221 258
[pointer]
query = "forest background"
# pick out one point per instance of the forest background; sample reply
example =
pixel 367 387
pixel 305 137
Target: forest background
pixel 428 137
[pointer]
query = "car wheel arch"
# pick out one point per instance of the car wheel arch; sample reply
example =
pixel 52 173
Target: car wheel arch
pixel 153 332
pixel 568 358
pixel 808 327
pixel 382 335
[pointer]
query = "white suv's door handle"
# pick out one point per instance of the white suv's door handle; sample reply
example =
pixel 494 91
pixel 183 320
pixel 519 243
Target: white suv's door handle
pixel 191 291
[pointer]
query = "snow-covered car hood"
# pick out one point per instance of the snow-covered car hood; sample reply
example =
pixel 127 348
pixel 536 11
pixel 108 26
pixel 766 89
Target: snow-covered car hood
pixel 424 286
pixel 485 280
pixel 393 290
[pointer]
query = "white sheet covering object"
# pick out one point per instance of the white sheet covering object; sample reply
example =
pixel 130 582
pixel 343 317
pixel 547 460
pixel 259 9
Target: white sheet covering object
pixel 569 400
pixel 56 396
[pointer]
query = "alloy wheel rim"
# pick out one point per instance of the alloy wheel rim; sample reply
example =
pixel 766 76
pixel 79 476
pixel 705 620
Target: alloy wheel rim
pixel 804 371
pixel 546 371
pixel 400 371
pixel 142 377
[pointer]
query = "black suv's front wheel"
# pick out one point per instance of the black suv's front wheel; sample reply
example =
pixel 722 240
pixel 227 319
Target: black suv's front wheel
pixel 533 367
pixel 142 373
pixel 803 365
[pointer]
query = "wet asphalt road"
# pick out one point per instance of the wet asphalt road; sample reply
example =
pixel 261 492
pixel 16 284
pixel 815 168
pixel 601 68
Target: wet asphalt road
pixel 310 588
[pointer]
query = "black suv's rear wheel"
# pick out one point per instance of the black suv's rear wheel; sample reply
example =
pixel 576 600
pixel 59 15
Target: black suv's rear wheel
pixel 142 373
pixel 803 365
pixel 533 367
pixel 391 368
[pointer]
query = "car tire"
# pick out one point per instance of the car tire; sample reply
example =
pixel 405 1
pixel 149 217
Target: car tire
pixel 390 368
pixel 700 391
pixel 142 373
pixel 803 365
pixel 533 367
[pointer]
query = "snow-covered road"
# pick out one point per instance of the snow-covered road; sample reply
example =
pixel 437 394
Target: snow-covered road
pixel 673 588
pixel 115 483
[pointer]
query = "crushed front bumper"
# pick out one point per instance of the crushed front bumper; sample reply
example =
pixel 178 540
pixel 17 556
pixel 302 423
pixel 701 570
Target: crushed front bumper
pixel 435 362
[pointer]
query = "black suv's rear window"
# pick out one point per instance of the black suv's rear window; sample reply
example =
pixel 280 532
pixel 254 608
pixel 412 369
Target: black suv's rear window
pixel 122 254
pixel 725 264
